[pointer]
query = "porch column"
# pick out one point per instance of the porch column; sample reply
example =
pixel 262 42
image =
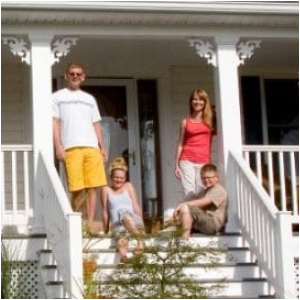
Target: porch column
pixel 41 88
pixel 227 99
pixel 228 112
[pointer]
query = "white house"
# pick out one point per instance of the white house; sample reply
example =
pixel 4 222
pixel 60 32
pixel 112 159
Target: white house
pixel 143 59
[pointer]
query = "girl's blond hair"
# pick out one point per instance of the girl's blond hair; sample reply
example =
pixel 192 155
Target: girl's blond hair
pixel 118 163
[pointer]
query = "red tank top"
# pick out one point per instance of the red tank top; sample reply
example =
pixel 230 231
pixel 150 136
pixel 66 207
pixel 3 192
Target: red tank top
pixel 197 142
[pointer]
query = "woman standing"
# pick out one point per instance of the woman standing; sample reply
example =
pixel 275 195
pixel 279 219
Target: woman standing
pixel 120 209
pixel 194 146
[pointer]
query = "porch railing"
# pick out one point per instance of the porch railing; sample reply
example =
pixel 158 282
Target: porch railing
pixel 267 230
pixel 16 187
pixel 63 227
pixel 277 168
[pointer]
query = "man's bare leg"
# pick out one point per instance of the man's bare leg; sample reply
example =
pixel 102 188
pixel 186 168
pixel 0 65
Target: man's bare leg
pixel 76 200
pixel 91 204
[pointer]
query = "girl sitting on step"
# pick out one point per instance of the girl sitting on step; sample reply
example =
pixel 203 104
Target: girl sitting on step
pixel 120 209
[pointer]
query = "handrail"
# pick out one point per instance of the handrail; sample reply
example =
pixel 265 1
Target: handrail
pixel 268 232
pixel 20 147
pixel 276 167
pixel 273 148
pixel 63 227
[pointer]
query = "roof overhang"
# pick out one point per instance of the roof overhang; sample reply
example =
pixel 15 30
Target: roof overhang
pixel 151 13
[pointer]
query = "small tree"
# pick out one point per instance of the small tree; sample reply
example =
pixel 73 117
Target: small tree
pixel 159 272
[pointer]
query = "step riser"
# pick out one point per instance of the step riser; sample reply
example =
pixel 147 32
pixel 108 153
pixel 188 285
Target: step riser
pixel 239 281
pixel 244 289
pixel 51 275
pixel 46 258
pixel 55 292
pixel 247 290
pixel 203 241
pixel 237 256
pixel 216 273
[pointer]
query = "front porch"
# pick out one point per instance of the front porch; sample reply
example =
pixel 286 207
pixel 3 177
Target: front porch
pixel 267 230
pixel 151 53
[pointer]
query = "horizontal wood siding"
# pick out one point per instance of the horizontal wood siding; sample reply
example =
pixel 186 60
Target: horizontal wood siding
pixel 12 109
pixel 183 81
pixel 15 120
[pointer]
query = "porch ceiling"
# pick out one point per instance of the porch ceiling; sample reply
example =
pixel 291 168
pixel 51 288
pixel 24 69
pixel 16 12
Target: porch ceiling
pixel 157 32
pixel 167 51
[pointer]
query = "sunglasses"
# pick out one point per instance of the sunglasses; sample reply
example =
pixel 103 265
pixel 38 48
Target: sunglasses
pixel 74 74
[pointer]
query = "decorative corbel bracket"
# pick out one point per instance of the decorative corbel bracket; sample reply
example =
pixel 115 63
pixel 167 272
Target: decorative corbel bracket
pixel 61 47
pixel 19 47
pixel 246 49
pixel 204 49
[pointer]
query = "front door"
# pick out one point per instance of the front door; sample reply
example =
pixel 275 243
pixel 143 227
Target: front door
pixel 118 107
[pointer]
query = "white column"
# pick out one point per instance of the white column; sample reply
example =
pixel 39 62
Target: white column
pixel 228 112
pixel 41 88
pixel 227 99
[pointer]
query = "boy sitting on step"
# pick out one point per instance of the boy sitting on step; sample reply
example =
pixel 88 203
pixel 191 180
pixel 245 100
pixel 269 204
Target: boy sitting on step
pixel 208 213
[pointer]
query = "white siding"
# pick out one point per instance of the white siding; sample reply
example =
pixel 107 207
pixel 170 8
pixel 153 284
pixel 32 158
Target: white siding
pixel 15 111
pixel 15 125
pixel 183 81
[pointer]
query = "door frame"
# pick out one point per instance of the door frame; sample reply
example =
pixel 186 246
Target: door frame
pixel 133 126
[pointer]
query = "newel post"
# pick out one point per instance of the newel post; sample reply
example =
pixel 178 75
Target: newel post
pixel 75 281
pixel 285 274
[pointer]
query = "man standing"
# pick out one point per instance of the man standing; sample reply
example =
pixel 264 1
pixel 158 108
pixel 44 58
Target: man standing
pixel 208 213
pixel 78 138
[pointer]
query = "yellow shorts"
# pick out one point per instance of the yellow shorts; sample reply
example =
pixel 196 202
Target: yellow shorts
pixel 85 168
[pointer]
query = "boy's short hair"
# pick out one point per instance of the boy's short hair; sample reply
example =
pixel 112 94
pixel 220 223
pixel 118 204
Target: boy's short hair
pixel 73 65
pixel 209 168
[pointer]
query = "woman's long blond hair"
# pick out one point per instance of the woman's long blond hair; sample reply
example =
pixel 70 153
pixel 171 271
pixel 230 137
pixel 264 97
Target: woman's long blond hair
pixel 207 113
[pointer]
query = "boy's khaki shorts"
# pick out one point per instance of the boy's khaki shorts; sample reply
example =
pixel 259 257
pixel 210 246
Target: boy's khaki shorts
pixel 85 168
pixel 202 222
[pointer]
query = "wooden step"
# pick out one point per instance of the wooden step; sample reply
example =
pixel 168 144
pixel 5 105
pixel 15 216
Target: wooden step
pixel 234 254
pixel 223 240
pixel 55 290
pixel 226 271
pixel 236 268
pixel 247 288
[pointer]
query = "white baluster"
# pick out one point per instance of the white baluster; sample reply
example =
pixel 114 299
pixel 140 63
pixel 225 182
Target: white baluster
pixel 26 183
pixel 14 184
pixel 282 181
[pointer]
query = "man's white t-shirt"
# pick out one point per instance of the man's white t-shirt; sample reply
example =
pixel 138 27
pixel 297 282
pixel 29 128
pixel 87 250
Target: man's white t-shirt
pixel 77 111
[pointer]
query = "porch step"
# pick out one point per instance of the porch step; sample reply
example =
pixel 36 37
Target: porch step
pixel 222 271
pixel 237 269
pixel 55 290
pixel 225 240
pixel 232 254
pixel 248 288
pixel 53 283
